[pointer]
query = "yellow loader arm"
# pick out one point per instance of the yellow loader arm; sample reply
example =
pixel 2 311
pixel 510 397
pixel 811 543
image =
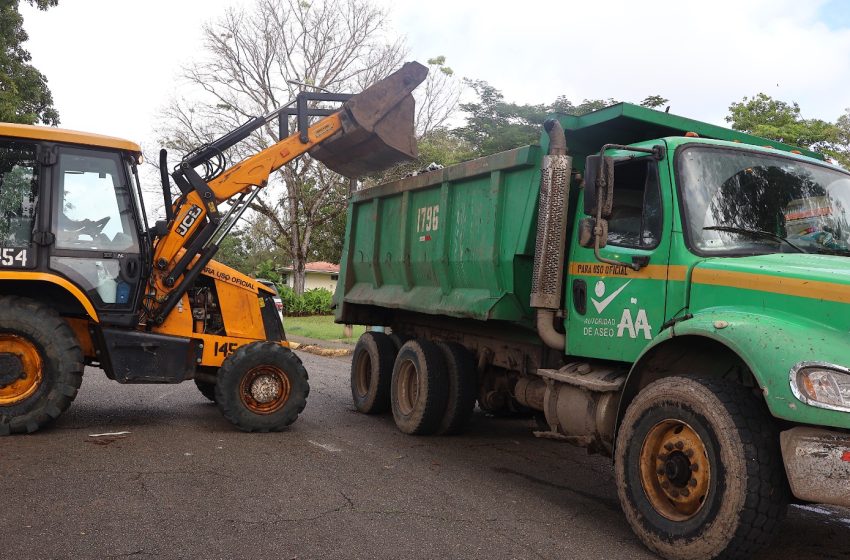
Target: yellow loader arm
pixel 372 131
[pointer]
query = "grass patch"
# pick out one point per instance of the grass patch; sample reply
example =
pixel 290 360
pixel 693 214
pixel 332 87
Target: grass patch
pixel 321 327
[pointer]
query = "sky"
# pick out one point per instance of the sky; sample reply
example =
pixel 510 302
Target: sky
pixel 113 64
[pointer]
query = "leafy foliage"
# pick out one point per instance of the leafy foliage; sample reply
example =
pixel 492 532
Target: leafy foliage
pixel 778 120
pixel 494 125
pixel 316 301
pixel 24 95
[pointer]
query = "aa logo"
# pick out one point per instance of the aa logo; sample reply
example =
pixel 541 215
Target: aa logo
pixel 640 324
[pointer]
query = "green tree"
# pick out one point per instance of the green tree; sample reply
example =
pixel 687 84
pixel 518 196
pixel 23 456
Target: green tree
pixel 654 101
pixel 256 59
pixel 494 125
pixel 778 120
pixel 24 95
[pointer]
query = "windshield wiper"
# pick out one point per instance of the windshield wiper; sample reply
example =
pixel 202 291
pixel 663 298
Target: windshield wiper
pixel 754 233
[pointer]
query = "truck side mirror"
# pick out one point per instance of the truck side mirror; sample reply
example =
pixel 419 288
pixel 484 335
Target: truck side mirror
pixel 599 186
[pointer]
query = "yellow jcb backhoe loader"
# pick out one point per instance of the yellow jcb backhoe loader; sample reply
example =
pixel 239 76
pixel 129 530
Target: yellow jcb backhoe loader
pixel 84 281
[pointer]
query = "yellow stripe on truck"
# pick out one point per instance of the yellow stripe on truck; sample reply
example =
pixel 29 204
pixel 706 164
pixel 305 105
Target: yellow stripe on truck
pixel 650 272
pixel 811 289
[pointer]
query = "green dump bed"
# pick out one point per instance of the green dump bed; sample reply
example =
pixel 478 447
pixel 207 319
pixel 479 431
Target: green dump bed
pixel 459 241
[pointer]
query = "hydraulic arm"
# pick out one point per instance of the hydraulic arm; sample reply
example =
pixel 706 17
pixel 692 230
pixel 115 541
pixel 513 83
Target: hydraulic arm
pixel 372 131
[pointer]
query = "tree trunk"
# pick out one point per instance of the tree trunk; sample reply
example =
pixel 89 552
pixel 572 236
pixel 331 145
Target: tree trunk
pixel 298 274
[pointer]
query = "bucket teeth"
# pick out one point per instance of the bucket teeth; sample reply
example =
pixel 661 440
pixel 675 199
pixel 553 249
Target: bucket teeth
pixel 377 126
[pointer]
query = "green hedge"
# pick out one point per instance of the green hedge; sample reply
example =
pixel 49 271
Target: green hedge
pixel 314 302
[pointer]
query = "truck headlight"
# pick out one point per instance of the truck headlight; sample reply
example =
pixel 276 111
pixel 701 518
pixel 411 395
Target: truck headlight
pixel 822 385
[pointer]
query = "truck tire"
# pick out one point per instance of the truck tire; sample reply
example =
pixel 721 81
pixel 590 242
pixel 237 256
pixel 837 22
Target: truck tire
pixel 262 387
pixel 398 340
pixel 462 388
pixel 698 469
pixel 42 365
pixel 418 391
pixel 372 372
pixel 207 389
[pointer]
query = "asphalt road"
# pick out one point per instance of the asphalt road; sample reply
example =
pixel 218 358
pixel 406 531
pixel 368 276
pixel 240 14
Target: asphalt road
pixel 184 484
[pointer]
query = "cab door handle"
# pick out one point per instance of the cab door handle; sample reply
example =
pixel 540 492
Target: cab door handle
pixel 580 296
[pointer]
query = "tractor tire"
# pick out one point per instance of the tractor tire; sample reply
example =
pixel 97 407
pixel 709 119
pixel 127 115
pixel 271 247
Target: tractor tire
pixel 418 391
pixel 462 388
pixel 371 372
pixel 207 389
pixel 699 471
pixel 43 365
pixel 262 387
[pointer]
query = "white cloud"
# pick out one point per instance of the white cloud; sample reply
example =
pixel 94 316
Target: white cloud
pixel 112 63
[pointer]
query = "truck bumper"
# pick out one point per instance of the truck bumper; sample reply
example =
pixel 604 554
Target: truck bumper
pixel 817 462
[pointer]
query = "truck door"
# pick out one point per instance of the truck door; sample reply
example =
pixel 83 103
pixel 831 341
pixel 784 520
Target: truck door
pixel 614 311
pixel 95 227
pixel 19 198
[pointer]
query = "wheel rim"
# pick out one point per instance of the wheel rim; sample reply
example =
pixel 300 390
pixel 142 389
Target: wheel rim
pixel 264 389
pixel 674 469
pixel 363 374
pixel 407 387
pixel 32 370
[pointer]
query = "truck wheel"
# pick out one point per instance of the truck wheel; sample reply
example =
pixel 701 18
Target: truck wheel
pixel 262 387
pixel 207 389
pixel 418 391
pixel 462 388
pixel 698 469
pixel 371 372
pixel 399 340
pixel 41 365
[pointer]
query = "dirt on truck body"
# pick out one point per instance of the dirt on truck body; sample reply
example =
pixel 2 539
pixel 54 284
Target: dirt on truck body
pixel 667 292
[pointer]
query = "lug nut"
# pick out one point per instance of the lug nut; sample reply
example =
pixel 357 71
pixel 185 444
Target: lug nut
pixel 692 482
pixel 665 485
pixel 686 492
pixel 694 467
pixel 680 445
pixel 668 446
pixel 674 493
pixel 689 453
pixel 660 472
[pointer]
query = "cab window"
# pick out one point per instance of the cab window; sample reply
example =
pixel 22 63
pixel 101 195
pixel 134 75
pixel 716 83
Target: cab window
pixel 95 212
pixel 18 193
pixel 636 214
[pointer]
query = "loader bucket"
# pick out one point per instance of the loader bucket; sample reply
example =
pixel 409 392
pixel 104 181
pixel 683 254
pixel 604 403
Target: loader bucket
pixel 377 126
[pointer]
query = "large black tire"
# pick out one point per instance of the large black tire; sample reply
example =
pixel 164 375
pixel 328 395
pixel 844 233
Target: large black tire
pixel 418 392
pixel 462 384
pixel 262 387
pixel 372 372
pixel 699 470
pixel 206 388
pixel 51 363
pixel 398 340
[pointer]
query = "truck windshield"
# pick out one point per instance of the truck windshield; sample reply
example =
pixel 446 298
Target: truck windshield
pixel 745 203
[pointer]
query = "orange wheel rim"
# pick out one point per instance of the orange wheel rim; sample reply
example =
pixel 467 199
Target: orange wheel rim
pixel 32 371
pixel 674 470
pixel 265 389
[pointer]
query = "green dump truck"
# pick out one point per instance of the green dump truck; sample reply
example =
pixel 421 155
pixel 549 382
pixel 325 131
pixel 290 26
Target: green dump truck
pixel 668 292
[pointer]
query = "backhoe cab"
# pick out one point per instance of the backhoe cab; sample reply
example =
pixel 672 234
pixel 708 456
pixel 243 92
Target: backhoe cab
pixel 83 281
